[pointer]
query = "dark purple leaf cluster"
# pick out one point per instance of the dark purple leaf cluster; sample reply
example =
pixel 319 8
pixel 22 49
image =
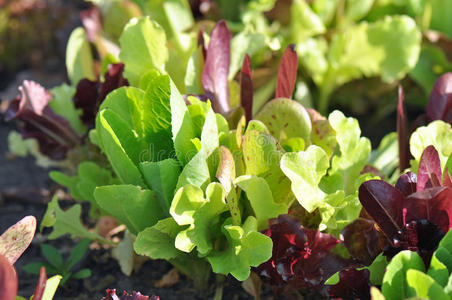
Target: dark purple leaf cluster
pixel 53 132
pixel 413 215
pixel 301 258
pixel 90 94
pixel 111 295
pixel 353 284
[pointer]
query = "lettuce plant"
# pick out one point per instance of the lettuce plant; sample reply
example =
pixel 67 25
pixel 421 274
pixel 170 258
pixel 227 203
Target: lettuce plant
pixel 413 215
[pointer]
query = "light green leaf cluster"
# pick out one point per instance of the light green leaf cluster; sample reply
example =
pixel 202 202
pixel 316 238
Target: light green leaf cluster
pixel 438 134
pixel 406 275
pixel 329 184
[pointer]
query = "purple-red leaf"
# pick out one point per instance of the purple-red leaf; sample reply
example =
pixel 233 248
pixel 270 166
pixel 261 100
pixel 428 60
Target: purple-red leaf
pixel 16 239
pixel 439 106
pixel 384 203
pixel 433 204
pixel 111 295
pixel 41 285
pixel 53 132
pixel 362 240
pixel 447 181
pixel 301 257
pixel 90 94
pixel 216 68
pixel 8 280
pixel 407 183
pixel 402 132
pixel 353 284
pixel 429 174
pixel 287 73
pixel 246 88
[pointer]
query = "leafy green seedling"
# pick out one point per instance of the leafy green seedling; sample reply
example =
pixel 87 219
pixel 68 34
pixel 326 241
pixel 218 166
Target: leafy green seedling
pixel 56 265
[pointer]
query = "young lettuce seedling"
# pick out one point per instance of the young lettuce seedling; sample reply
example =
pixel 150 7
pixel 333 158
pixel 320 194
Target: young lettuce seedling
pixel 56 265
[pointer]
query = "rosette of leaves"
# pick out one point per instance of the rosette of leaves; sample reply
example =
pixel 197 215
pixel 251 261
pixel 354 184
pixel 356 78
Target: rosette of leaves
pixel 325 172
pixel 412 215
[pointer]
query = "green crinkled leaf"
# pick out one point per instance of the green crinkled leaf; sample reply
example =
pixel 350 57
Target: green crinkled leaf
pixel 305 169
pixel 162 178
pixel 262 154
pixel 421 285
pixel 121 146
pixel 63 105
pixel 157 241
pixel 205 219
pixel 131 205
pixel 182 127
pixel 79 60
pixel 156 114
pixel 246 248
pixel 304 22
pixel 448 287
pixel 388 48
pixel 261 199
pixel 196 172
pixel 354 154
pixel 438 134
pixel 312 55
pixel 125 102
pixel 67 222
pixel 395 285
pixel 143 47
pixel 285 119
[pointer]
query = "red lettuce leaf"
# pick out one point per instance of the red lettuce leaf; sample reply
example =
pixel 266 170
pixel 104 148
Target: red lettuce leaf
pixel 41 285
pixel 301 257
pixel 287 73
pixel 246 88
pixel 216 68
pixel 429 174
pixel 8 280
pixel 402 132
pixel 447 181
pixel 90 94
pixel 111 295
pixel 433 204
pixel 439 106
pixel 53 132
pixel 362 240
pixel 353 284
pixel 407 183
pixel 384 203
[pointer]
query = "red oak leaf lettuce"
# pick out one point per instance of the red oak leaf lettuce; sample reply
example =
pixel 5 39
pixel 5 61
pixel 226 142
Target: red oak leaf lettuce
pixel 353 284
pixel 301 257
pixel 416 213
